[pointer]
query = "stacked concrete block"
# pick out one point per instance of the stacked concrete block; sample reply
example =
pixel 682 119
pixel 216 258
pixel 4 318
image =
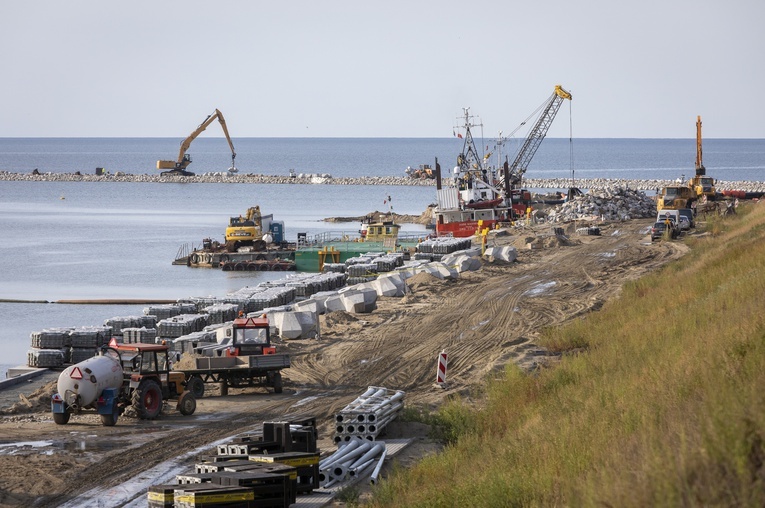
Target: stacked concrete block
pixel 170 310
pixel 333 268
pixel 118 323
pixel 49 338
pixel 181 325
pixel 45 358
pixel 221 313
pixel 190 342
pixel 139 335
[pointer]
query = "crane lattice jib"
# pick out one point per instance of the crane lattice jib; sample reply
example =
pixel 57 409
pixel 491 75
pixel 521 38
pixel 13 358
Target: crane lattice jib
pixel 537 134
pixel 469 155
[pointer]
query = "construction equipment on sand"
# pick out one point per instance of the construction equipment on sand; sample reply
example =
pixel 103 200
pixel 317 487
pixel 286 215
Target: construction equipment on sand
pixel 243 356
pixel 184 159
pixel 246 231
pixel 123 375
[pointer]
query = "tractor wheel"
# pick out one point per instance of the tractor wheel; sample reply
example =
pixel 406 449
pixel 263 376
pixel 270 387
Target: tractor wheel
pixel 147 399
pixel 277 381
pixel 187 403
pixel 61 418
pixel 196 386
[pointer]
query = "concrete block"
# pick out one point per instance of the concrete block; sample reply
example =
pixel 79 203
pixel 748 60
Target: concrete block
pixel 360 302
pixel 464 263
pixel 390 285
pixel 446 272
pixel 505 253
pixel 334 303
pixel 429 268
pixel 296 324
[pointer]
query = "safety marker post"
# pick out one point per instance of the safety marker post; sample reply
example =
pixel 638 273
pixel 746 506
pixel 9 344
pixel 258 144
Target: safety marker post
pixel 441 372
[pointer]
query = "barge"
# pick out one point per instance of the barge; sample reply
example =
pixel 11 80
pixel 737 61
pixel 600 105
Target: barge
pixel 339 246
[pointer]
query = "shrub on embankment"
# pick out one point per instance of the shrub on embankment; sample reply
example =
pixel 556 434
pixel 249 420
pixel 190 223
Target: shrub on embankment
pixel 663 402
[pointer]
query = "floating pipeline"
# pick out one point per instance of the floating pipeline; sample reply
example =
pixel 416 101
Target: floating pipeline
pixel 740 194
pixel 264 265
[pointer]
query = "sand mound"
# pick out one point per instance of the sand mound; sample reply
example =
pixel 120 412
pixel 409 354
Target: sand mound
pixel 339 317
pixel 37 402
pixel 422 280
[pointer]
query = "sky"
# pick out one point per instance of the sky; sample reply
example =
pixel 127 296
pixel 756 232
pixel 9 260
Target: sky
pixel 326 68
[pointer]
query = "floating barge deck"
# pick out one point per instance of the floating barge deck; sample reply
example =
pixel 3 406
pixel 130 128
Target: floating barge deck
pixel 279 258
pixel 338 247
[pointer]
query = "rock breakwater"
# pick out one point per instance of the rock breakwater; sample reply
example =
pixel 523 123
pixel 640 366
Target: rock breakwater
pixel 325 179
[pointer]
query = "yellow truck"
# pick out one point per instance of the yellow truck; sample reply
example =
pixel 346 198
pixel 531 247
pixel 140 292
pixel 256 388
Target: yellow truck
pixel 675 197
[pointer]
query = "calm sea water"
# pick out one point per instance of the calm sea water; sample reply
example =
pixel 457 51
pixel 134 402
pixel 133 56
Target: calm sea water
pixel 117 240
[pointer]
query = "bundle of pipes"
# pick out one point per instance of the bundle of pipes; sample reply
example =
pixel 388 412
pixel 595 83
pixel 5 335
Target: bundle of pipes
pixel 367 416
pixel 353 461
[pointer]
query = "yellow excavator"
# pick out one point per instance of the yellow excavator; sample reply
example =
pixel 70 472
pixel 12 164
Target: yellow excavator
pixel 179 167
pixel 702 185
pixel 246 231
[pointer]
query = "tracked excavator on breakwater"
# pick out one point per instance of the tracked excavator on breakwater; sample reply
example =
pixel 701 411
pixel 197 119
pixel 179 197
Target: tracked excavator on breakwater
pixel 178 167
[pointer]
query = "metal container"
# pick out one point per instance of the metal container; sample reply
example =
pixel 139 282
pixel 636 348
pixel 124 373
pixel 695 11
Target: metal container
pixel 80 385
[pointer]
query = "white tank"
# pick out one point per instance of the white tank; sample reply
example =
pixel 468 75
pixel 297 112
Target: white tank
pixel 268 238
pixel 88 379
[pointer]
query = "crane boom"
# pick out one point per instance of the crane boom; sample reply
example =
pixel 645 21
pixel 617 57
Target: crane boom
pixel 535 137
pixel 184 159
pixel 700 169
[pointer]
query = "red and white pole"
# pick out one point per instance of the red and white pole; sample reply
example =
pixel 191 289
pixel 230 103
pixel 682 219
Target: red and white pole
pixel 441 373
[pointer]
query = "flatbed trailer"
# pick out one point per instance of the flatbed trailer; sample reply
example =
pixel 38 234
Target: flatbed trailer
pixel 237 372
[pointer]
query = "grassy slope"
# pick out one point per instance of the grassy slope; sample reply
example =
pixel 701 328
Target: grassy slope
pixel 665 407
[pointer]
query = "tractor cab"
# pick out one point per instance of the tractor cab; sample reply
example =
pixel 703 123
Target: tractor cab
pixel 149 361
pixel 250 336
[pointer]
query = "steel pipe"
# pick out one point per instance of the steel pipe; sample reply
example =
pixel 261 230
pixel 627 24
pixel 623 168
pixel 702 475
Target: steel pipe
pixel 376 472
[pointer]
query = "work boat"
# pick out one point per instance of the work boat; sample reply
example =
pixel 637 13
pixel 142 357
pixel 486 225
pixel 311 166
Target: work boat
pixel 478 192
pixel 472 195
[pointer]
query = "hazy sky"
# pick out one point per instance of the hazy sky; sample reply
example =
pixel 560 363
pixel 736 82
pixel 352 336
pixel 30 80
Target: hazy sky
pixel 380 69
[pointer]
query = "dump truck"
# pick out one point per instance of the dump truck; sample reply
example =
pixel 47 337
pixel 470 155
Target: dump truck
pixel 121 376
pixel 248 359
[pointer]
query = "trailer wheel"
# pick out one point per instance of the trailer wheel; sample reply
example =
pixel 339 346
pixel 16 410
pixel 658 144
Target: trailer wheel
pixel 277 379
pixel 109 420
pixel 147 399
pixel 187 403
pixel 196 386
pixel 61 418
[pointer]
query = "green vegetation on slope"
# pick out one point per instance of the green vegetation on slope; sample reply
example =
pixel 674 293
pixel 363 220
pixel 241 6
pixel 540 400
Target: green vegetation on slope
pixel 666 406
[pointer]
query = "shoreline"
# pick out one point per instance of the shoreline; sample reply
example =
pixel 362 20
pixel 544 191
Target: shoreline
pixel 530 183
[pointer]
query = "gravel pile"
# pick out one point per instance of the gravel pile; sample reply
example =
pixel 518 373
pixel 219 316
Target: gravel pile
pixel 617 203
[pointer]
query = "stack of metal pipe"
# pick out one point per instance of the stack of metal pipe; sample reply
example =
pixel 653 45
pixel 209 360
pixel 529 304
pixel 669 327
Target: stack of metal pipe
pixel 366 417
pixel 352 461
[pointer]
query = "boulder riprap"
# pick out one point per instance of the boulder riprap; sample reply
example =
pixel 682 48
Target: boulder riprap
pixel 614 203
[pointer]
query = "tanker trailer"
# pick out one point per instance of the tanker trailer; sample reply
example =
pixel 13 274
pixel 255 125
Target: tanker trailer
pixel 123 375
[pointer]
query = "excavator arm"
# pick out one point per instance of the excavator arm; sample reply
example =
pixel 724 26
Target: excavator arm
pixel 537 134
pixel 184 160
